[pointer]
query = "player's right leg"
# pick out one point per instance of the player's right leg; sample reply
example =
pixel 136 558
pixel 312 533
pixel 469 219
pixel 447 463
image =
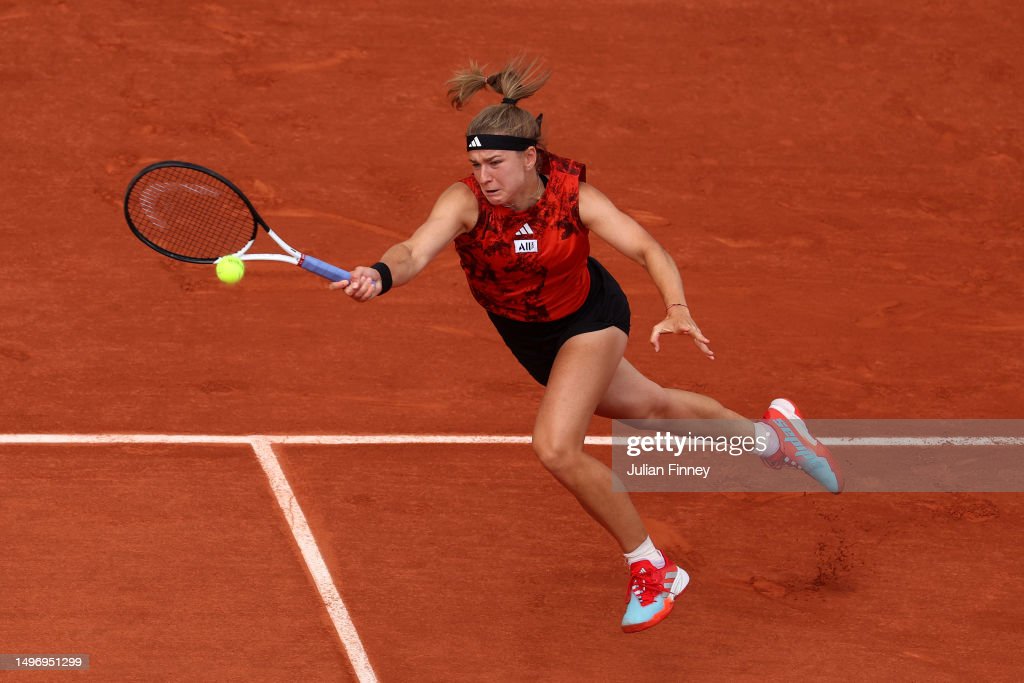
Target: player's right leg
pixel 579 378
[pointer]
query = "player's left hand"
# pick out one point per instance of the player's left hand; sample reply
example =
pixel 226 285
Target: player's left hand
pixel 678 321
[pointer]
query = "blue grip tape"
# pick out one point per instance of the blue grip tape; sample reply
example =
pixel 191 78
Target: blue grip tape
pixel 324 269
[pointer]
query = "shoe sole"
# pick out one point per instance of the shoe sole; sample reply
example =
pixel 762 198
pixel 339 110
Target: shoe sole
pixel 680 583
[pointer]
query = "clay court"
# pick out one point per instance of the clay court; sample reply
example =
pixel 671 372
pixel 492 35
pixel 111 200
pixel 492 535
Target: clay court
pixel 267 482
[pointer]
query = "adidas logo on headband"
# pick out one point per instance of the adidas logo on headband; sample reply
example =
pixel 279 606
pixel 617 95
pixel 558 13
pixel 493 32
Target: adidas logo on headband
pixel 509 142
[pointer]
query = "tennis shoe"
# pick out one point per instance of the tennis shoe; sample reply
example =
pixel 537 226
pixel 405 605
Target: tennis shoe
pixel 797 448
pixel 652 594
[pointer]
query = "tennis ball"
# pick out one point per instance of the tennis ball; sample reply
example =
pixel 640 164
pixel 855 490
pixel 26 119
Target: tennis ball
pixel 230 269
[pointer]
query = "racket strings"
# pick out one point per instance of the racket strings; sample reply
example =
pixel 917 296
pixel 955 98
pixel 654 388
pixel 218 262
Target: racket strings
pixel 190 214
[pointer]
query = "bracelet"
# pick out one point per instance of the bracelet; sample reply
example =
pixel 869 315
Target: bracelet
pixel 385 276
pixel 671 305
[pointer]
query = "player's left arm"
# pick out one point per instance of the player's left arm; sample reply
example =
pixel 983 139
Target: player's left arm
pixel 628 237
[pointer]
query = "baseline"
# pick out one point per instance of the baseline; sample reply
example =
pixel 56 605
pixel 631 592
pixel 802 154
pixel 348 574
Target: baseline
pixel 398 439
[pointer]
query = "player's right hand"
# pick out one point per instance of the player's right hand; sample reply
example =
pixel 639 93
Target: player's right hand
pixel 364 285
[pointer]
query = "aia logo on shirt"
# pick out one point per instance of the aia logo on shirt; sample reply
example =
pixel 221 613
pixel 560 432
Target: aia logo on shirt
pixel 525 246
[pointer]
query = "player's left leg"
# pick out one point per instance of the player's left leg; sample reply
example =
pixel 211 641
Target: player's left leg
pixel 632 396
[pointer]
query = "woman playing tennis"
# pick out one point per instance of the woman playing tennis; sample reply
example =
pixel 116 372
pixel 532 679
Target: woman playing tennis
pixel 521 225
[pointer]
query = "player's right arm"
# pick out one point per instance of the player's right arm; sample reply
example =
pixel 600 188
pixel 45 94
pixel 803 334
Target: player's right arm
pixel 454 213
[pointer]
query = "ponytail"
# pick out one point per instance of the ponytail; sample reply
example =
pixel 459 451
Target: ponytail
pixel 518 80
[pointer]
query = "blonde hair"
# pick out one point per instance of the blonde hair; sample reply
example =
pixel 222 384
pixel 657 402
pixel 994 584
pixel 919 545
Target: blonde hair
pixel 519 79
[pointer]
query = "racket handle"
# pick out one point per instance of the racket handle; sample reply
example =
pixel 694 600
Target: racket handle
pixel 324 269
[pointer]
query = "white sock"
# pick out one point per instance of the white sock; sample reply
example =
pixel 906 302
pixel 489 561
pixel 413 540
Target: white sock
pixel 646 551
pixel 764 433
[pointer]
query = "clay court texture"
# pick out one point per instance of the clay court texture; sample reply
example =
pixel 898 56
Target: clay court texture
pixel 840 183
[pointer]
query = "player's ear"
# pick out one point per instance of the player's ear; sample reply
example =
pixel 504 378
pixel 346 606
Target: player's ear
pixel 530 158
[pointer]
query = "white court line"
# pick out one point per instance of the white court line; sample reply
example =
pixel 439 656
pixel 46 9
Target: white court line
pixel 314 561
pixel 125 438
pixel 399 439
pixel 395 439
pixel 923 441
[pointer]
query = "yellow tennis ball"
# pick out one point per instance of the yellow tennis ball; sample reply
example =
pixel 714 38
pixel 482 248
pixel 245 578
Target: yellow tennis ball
pixel 230 269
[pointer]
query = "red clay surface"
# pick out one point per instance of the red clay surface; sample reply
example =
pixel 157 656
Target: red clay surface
pixel 161 563
pixel 841 185
pixel 494 577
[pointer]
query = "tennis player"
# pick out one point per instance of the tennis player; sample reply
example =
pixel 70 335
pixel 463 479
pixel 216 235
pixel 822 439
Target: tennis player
pixel 521 224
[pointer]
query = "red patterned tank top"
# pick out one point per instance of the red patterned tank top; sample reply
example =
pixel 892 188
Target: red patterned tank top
pixel 530 265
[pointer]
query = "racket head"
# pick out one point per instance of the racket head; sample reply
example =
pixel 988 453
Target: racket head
pixel 188 212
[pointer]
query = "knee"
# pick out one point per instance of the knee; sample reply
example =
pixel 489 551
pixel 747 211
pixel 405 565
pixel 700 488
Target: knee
pixel 650 405
pixel 657 405
pixel 673 404
pixel 556 454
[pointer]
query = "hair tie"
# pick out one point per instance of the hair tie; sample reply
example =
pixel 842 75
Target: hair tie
pixel 509 100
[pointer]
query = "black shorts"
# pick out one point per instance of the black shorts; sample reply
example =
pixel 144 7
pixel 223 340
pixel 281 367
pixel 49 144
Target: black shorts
pixel 535 344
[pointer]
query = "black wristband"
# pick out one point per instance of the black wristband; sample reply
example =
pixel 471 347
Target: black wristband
pixel 385 276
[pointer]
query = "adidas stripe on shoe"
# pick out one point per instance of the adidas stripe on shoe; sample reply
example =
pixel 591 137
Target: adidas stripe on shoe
pixel 652 594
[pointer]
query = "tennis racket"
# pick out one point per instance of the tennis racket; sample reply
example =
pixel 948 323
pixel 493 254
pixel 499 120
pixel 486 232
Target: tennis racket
pixel 193 214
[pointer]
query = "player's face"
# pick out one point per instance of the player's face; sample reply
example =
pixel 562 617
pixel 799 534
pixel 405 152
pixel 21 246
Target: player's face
pixel 504 176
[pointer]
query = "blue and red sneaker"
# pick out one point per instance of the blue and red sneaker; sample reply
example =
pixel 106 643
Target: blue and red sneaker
pixel 798 448
pixel 652 594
